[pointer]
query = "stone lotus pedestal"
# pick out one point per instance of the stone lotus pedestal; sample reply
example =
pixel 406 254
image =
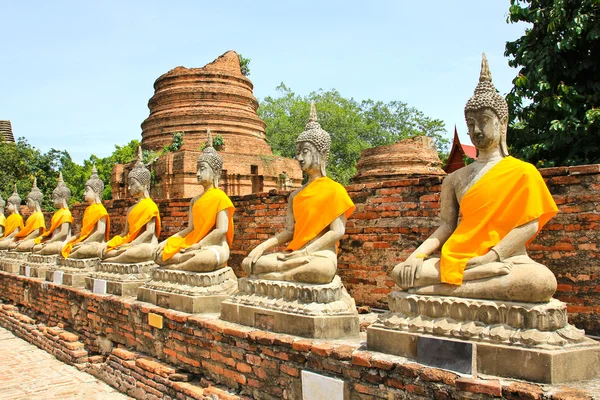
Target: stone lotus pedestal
pixel 514 340
pixel 192 292
pixel 121 279
pixel 74 271
pixel 38 265
pixel 11 261
pixel 313 311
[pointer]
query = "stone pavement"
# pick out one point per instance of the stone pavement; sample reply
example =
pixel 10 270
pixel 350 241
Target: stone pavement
pixel 30 373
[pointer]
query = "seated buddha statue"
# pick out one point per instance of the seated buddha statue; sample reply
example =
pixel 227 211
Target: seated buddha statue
pixel 35 225
pixel 14 221
pixel 52 240
pixel 315 221
pixel 95 226
pixel 490 211
pixel 2 217
pixel 204 245
pixel 138 243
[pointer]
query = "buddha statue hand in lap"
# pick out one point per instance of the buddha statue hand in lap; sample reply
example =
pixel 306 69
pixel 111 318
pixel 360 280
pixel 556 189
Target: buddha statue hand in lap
pixel 14 221
pixel 95 226
pixel 315 221
pixel 490 211
pixel 35 225
pixel 142 228
pixel 204 245
pixel 51 241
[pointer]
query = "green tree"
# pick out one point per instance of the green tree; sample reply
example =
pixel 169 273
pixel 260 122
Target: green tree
pixel 244 65
pixel 353 126
pixel 555 101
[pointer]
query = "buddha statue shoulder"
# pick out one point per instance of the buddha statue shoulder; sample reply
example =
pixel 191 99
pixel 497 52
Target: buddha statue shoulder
pixel 203 246
pixel 35 225
pixel 315 221
pixel 142 228
pixel 14 222
pixel 51 241
pixel 95 225
pixel 490 211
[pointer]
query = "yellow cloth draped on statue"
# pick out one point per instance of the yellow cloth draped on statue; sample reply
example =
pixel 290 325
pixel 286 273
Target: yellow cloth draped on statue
pixel 35 221
pixel 205 211
pixel 316 207
pixel 138 217
pixel 510 194
pixel 92 214
pixel 13 222
pixel 60 217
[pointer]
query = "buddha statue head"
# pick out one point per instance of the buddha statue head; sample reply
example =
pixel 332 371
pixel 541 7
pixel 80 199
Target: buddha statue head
pixel 94 188
pixel 486 113
pixel 13 202
pixel 61 194
pixel 139 178
pixel 209 163
pixel 313 145
pixel 34 198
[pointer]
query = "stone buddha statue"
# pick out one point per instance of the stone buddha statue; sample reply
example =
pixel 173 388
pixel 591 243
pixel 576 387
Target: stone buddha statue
pixel 138 243
pixel 204 245
pixel 2 217
pixel 95 226
pixel 51 241
pixel 315 221
pixel 490 211
pixel 35 225
pixel 14 221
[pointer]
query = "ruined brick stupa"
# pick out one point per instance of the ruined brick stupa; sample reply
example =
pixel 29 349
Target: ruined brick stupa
pixel 6 134
pixel 216 97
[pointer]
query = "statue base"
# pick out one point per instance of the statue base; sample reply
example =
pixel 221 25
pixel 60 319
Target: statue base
pixel 312 311
pixel 191 292
pixel 11 261
pixel 120 279
pixel 488 337
pixel 38 265
pixel 74 271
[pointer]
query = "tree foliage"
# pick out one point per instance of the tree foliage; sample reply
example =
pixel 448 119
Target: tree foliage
pixel 353 126
pixel 555 101
pixel 244 65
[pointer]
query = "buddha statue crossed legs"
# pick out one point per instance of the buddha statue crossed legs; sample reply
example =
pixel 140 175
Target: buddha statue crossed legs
pixel 138 243
pixel 14 221
pixel 315 221
pixel 95 226
pixel 490 210
pixel 51 241
pixel 35 225
pixel 204 245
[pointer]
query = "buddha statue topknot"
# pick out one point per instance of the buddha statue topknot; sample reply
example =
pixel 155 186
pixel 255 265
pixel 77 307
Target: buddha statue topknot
pixel 490 210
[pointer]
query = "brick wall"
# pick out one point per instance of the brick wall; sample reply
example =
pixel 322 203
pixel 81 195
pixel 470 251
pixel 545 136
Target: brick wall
pixel 248 361
pixel 393 217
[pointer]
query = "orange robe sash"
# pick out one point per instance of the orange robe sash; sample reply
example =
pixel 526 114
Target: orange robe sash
pixel 205 211
pixel 316 207
pixel 60 217
pixel 138 217
pixel 510 194
pixel 13 222
pixel 35 221
pixel 92 214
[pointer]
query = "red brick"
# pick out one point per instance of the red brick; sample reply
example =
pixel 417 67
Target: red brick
pixel 302 345
pixel 154 367
pixel 124 354
pixel 286 369
pixel 322 349
pixel 521 390
pixel 236 376
pixel 491 387
pixel 362 358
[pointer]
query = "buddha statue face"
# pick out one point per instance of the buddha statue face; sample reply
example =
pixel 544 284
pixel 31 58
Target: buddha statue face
pixel 31 203
pixel 90 195
pixel 486 130
pixel 135 188
pixel 308 157
pixel 10 208
pixel 205 174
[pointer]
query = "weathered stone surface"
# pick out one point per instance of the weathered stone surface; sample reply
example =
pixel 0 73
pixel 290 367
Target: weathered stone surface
pixel 121 279
pixel 410 157
pixel 11 261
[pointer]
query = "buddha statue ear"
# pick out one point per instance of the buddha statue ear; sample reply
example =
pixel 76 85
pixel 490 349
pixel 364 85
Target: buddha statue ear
pixel 503 131
pixel 323 166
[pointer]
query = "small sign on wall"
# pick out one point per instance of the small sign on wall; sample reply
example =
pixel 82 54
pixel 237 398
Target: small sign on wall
pixel 315 386
pixel 99 286
pixel 57 278
pixel 155 320
pixel 27 271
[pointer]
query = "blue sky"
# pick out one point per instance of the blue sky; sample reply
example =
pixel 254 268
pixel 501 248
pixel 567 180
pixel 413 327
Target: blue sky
pixel 77 75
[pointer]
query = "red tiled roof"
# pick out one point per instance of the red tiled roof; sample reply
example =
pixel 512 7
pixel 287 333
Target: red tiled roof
pixel 470 151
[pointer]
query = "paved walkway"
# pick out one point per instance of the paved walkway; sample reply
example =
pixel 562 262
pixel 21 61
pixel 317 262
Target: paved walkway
pixel 27 372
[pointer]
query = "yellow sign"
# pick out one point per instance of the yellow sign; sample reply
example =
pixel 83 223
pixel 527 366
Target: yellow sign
pixel 155 320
